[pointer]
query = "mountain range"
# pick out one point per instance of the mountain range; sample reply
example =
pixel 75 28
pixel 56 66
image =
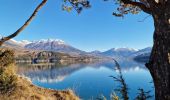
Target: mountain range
pixel 57 45
pixel 141 55
pixel 53 45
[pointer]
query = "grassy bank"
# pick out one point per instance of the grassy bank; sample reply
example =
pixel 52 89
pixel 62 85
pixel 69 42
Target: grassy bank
pixel 14 87
pixel 25 90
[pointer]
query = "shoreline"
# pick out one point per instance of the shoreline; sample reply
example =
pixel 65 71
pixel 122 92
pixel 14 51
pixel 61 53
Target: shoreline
pixel 26 90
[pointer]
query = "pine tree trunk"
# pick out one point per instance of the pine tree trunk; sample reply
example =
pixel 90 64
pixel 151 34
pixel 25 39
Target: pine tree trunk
pixel 159 63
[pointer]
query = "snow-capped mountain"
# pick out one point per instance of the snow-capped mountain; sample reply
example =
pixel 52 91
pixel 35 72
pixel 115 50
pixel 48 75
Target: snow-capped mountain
pixel 21 43
pixel 124 52
pixel 13 42
pixel 142 55
pixel 56 45
pixel 58 41
pixel 142 52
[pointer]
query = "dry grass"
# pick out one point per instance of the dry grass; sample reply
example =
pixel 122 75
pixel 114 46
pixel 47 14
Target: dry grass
pixel 8 79
pixel 14 87
pixel 26 91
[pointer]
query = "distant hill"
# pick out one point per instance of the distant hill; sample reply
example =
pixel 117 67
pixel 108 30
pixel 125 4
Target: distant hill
pixel 12 44
pixel 119 53
pixel 57 46
pixel 17 46
pixel 141 55
pixel 50 51
pixel 142 52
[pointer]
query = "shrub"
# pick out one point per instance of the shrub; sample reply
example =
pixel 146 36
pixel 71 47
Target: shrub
pixel 143 95
pixel 113 96
pixel 8 78
pixel 6 57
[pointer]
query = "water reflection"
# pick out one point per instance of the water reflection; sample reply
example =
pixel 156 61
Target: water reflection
pixel 88 80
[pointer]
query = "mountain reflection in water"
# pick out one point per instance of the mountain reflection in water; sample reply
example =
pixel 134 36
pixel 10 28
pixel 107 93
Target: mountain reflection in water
pixel 88 80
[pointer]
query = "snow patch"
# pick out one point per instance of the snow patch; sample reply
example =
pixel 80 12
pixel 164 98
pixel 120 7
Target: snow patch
pixel 59 41
pixel 22 42
pixel 125 49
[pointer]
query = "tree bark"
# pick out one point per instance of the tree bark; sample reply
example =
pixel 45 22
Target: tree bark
pixel 159 63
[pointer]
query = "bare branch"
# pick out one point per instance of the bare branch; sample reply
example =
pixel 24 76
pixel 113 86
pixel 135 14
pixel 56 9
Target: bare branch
pixel 138 4
pixel 4 39
pixel 144 18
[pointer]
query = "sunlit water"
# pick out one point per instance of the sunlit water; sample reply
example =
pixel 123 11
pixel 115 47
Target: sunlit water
pixel 89 80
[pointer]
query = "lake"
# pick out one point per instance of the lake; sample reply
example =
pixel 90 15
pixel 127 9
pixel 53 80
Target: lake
pixel 89 80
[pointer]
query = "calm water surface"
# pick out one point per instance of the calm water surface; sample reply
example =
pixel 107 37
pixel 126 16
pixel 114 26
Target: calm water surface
pixel 89 80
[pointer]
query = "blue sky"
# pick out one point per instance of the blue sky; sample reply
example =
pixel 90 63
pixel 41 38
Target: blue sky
pixel 93 29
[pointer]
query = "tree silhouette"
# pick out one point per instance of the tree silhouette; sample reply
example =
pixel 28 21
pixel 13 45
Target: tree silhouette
pixel 123 88
pixel 159 61
pixel 143 95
